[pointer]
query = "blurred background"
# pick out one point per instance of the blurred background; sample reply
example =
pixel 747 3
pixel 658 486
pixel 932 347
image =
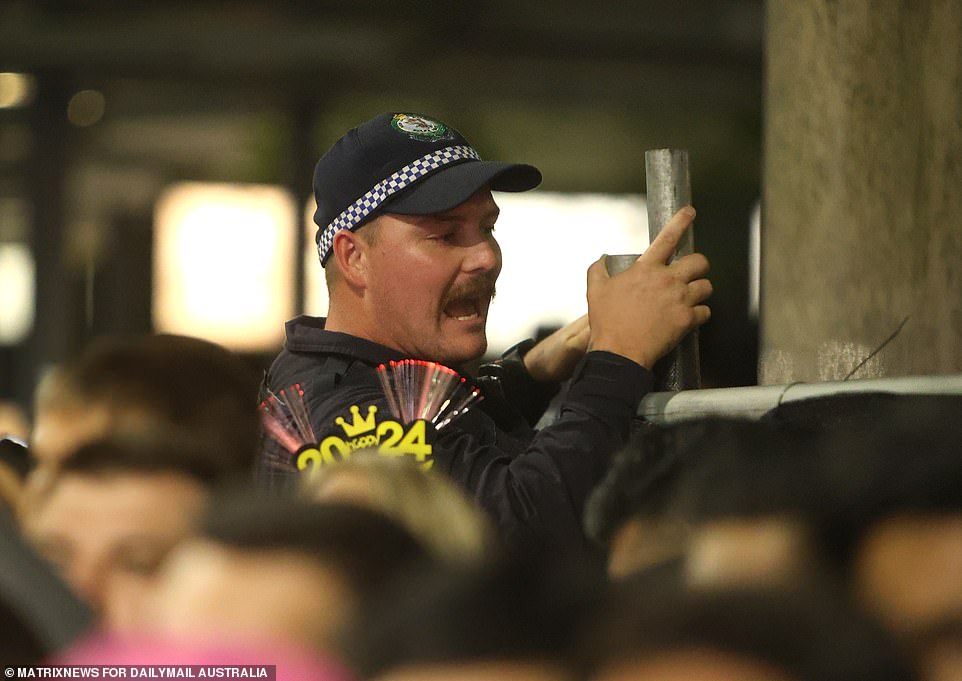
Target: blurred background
pixel 156 157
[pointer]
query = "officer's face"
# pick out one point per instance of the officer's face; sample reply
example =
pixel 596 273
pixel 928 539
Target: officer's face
pixel 431 280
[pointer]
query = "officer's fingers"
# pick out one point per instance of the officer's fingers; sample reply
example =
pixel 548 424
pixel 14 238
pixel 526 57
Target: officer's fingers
pixel 701 313
pixel 663 247
pixel 699 291
pixel 691 267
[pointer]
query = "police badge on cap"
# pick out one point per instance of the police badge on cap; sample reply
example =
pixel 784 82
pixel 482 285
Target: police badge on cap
pixel 420 128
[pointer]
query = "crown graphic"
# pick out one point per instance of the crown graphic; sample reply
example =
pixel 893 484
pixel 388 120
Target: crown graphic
pixel 359 425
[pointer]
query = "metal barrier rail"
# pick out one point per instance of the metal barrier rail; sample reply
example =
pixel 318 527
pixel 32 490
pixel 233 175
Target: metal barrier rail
pixel 753 402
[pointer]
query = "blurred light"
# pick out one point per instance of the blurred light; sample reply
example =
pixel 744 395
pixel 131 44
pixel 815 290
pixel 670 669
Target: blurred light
pixel 548 241
pixel 315 285
pixel 223 260
pixel 16 292
pixel 86 108
pixel 16 89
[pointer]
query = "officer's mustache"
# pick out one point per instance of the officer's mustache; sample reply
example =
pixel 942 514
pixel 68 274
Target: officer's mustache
pixel 481 287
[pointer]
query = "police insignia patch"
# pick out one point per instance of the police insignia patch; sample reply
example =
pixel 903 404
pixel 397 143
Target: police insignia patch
pixel 420 128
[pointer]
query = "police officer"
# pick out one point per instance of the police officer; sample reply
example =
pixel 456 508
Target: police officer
pixel 406 219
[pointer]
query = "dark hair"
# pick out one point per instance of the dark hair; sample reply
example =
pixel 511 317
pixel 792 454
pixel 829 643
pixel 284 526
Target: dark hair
pixel 143 454
pixel 505 611
pixel 639 482
pixel 186 386
pixel 365 547
pixel 748 469
pixel 904 456
pixel 701 469
pixel 811 635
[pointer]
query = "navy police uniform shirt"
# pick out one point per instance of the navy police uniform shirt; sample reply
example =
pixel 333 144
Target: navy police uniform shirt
pixel 533 483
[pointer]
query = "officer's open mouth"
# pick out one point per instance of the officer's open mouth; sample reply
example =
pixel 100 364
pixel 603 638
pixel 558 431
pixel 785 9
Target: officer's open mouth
pixel 464 309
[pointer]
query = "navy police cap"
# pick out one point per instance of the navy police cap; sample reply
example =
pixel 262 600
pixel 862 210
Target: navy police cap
pixel 403 163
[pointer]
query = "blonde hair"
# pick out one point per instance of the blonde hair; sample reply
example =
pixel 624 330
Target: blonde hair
pixel 428 504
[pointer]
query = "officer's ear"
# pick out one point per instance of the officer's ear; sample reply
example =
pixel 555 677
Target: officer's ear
pixel 349 252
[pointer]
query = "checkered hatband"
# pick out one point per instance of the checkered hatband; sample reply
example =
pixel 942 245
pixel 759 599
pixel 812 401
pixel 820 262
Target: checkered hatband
pixel 405 177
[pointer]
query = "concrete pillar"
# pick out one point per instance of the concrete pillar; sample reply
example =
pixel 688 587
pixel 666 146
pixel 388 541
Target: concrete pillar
pixel 862 208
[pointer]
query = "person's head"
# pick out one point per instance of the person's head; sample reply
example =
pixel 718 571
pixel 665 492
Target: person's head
pixel 431 506
pixel 148 385
pixel 508 620
pixel 898 540
pixel 266 569
pixel 892 523
pixel 658 629
pixel 907 568
pixel 748 499
pixel 112 513
pixel 405 218
pixel 721 495
pixel 627 512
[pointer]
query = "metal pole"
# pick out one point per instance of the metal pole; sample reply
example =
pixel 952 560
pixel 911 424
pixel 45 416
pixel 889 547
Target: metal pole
pixel 669 189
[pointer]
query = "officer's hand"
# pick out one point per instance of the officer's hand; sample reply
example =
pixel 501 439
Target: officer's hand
pixel 643 312
pixel 555 357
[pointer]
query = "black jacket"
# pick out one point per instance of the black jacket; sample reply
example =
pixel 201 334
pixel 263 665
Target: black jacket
pixel 533 483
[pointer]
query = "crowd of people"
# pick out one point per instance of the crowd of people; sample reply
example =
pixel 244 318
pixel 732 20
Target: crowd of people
pixel 150 518
pixel 823 541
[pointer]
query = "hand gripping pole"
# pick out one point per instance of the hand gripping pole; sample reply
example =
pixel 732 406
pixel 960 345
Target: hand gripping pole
pixel 669 189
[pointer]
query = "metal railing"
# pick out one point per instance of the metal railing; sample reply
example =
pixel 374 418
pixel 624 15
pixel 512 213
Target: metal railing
pixel 753 402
